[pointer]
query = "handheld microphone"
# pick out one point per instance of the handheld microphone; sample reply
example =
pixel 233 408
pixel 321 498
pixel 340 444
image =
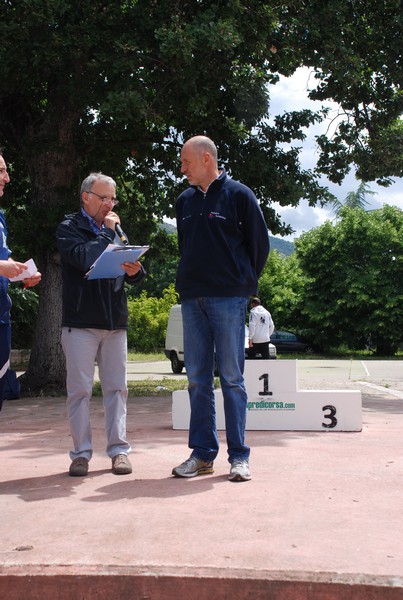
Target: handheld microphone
pixel 121 234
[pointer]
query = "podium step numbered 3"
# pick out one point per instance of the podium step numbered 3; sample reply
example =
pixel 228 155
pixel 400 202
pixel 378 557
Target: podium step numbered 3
pixel 275 403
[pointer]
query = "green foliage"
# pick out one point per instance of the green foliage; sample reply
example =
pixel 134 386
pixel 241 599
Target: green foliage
pixel 148 319
pixel 343 286
pixel 354 46
pixel 23 315
pixel 161 262
pixel 280 290
pixel 353 291
pixel 118 72
pixel 355 199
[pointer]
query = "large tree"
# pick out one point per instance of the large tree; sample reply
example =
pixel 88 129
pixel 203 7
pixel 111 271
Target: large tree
pixel 355 199
pixel 88 85
pixel 281 289
pixel 353 280
pixel 355 49
pixel 117 85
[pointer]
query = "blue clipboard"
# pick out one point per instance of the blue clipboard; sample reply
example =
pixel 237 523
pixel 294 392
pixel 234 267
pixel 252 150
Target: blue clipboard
pixel 108 264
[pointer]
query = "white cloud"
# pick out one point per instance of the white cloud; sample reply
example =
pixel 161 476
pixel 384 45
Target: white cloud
pixel 291 94
pixel 303 217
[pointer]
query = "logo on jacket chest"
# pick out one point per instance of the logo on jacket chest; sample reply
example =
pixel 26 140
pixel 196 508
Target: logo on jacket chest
pixel 216 215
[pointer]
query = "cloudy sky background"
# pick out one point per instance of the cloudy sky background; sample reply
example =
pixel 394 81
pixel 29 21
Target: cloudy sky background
pixel 291 94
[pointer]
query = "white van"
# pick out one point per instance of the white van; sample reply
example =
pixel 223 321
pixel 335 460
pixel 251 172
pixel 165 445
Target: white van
pixel 174 340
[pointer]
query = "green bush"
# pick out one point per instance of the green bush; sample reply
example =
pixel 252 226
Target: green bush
pixel 23 315
pixel 148 319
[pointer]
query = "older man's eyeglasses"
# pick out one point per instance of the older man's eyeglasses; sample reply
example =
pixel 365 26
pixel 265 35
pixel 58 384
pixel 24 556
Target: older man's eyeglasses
pixel 106 199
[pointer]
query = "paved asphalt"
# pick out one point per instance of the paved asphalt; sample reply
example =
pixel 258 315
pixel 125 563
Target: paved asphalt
pixel 321 519
pixel 311 372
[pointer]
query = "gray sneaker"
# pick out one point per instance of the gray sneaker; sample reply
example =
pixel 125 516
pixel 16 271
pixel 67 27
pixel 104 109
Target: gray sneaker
pixel 239 470
pixel 193 466
pixel 121 465
pixel 79 467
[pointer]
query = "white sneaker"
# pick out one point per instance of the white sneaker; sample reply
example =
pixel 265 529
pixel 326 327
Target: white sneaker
pixel 239 470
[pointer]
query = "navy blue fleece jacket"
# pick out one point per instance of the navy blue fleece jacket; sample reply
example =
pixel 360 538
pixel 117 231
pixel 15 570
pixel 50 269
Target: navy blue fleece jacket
pixel 223 240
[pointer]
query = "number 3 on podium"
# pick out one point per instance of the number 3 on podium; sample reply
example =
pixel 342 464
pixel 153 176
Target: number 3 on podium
pixel 331 415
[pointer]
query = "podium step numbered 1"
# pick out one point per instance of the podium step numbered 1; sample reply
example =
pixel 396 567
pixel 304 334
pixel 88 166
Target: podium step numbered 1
pixel 275 403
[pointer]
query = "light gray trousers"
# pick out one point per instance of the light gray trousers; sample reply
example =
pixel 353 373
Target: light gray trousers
pixel 82 347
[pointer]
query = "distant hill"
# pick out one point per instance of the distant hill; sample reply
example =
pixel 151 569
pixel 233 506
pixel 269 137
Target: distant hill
pixel 168 227
pixel 282 246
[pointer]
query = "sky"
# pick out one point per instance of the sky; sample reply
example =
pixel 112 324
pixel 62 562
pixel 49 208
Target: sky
pixel 291 94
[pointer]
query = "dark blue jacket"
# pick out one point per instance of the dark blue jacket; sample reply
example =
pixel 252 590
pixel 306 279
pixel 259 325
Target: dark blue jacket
pixel 95 303
pixel 5 302
pixel 223 240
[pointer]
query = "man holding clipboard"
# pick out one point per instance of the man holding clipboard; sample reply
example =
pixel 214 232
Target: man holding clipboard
pixel 94 323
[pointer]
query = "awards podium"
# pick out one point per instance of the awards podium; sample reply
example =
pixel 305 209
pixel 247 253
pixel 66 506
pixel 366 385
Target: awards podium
pixel 276 403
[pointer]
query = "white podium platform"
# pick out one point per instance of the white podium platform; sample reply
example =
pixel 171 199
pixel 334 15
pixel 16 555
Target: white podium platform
pixel 275 403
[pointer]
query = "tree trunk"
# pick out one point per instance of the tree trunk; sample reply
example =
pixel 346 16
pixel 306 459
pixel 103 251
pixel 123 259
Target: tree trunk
pixel 46 371
pixel 52 173
pixel 386 348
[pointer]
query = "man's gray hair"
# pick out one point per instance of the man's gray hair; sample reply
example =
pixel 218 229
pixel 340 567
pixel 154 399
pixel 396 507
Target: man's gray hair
pixel 89 181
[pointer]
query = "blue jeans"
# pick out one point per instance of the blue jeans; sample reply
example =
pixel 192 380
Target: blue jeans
pixel 218 323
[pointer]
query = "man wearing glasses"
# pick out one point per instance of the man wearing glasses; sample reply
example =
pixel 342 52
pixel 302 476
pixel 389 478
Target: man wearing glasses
pixel 94 324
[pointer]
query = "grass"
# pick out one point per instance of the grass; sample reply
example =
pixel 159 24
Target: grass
pixel 149 387
pixel 145 356
pixel 153 387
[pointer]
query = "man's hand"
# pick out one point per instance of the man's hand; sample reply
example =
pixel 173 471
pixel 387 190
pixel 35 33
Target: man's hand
pixel 131 268
pixel 31 281
pixel 111 219
pixel 11 268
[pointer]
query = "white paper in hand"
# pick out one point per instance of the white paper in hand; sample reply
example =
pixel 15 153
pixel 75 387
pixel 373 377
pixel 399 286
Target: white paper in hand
pixel 29 272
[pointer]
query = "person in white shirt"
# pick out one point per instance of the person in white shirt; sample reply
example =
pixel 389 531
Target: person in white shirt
pixel 261 327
